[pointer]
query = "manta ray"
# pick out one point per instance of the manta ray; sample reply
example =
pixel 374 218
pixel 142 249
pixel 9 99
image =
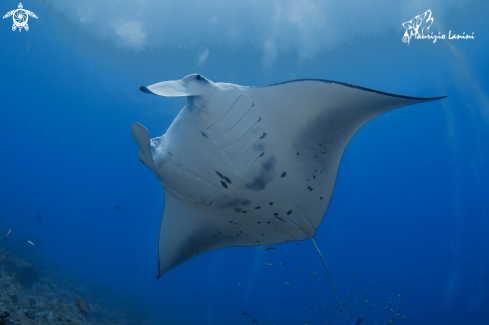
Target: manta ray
pixel 252 166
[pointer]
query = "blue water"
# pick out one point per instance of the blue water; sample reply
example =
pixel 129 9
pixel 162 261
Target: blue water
pixel 408 222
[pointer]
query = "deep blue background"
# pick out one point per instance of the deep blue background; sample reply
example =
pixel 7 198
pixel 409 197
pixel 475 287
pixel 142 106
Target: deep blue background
pixel 410 209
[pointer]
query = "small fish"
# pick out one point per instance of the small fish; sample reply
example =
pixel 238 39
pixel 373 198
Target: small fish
pixel 244 313
pixel 254 321
pixel 302 269
pixel 288 283
pixel 82 307
pixel 270 249
pixel 356 322
pixel 269 264
pixel 31 243
pixel 8 233
pixel 284 263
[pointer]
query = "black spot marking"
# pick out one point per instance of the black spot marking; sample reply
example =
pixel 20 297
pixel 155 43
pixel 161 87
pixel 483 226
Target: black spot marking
pixel 297 154
pixel 258 222
pixel 244 211
pixel 230 222
pixel 309 188
pixel 227 179
pixel 237 235
pixel 219 174
pixel 263 234
pixel 288 213
pixel 275 214
pixel 320 197
pixel 307 179
pixel 237 209
pixel 203 134
pixel 315 156
pixel 257 241
pixel 271 203
pixel 245 202
pixel 283 174
pixel 235 223
pixel 257 208
pixel 268 221
pixel 240 232
pixel 264 135
pixel 265 176
pixel 224 184
pixel 279 218
pixel 314 177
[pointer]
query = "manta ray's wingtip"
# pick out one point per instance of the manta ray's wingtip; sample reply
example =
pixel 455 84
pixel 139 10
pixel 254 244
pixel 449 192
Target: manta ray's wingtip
pixel 145 89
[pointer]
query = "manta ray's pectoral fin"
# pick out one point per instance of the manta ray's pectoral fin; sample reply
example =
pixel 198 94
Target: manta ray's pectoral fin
pixel 187 231
pixel 141 135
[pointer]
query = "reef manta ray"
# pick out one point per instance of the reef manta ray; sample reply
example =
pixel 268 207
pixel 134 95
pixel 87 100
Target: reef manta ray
pixel 252 166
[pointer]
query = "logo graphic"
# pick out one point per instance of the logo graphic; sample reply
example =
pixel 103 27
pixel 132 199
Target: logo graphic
pixel 20 17
pixel 419 27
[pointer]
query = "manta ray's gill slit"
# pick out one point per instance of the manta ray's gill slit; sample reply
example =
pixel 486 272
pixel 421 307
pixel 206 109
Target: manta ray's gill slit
pixel 204 135
pixel 253 144
pixel 232 126
pixel 245 133
pixel 261 155
pixel 224 114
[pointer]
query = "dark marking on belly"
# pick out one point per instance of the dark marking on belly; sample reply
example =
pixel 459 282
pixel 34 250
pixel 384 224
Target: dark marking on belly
pixel 271 203
pixel 288 213
pixel 265 175
pixel 203 134
pixel 264 135
pixel 257 208
pixel 309 188
pixel 224 184
pixel 283 174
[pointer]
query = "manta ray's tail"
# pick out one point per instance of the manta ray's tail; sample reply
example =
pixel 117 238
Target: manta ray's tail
pixel 329 275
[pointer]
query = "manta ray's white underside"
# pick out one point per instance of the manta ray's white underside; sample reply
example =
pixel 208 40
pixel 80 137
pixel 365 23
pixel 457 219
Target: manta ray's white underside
pixel 251 166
